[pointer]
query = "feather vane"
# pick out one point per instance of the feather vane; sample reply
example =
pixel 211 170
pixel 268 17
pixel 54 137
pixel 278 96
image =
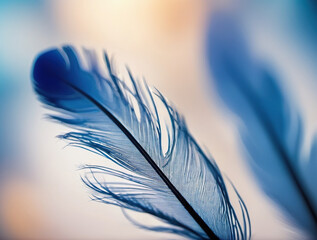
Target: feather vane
pixel 178 184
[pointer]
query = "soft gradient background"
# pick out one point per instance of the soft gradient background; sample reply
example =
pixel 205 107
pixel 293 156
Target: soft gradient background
pixel 42 196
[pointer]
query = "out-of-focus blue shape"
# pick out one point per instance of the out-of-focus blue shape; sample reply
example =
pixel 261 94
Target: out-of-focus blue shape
pixel 293 22
pixel 7 102
pixel 272 128
pixel 14 73
pixel 295 16
pixel 19 36
pixel 25 2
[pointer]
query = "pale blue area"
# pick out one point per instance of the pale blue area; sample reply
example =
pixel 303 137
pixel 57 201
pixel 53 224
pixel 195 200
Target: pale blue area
pixel 18 24
pixel 294 21
pixel 14 92
pixel 24 2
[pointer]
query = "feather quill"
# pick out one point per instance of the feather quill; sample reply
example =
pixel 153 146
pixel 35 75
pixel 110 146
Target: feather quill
pixel 271 127
pixel 179 185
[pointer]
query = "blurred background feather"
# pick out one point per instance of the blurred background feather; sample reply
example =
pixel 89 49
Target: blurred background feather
pixel 164 41
pixel 271 126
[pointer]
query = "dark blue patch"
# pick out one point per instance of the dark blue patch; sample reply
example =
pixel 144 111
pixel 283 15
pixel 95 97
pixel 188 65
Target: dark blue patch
pixel 50 74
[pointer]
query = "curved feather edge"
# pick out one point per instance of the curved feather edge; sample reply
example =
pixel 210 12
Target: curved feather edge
pixel 271 128
pixel 122 121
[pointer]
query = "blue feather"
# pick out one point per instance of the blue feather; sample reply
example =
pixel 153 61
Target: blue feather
pixel 179 185
pixel 272 128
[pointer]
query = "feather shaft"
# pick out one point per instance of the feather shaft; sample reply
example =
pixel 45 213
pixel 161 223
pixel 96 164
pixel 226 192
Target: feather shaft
pixel 177 194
